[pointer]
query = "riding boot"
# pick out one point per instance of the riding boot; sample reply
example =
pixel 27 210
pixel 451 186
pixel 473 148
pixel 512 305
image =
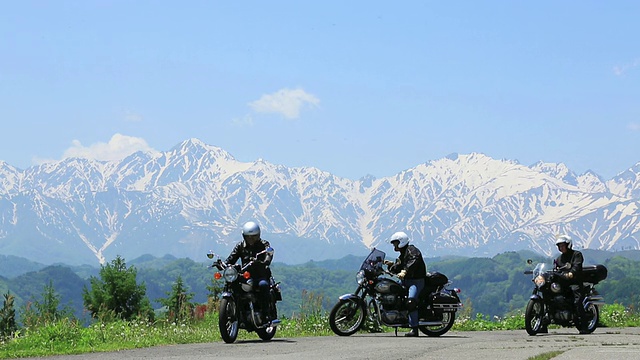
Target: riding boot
pixel 412 333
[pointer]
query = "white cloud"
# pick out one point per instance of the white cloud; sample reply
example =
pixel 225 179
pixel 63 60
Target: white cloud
pixel 634 126
pixel 119 147
pixel 286 102
pixel 621 69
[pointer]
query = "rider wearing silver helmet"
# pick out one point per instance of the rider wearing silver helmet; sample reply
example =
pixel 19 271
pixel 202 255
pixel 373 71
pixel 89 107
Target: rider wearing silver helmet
pixel 249 247
pixel 411 269
pixel 247 250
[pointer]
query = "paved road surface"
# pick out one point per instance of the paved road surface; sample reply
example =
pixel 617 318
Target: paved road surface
pixel 603 344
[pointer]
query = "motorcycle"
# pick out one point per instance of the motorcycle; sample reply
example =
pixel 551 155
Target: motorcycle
pixel 552 300
pixel 239 305
pixel 383 301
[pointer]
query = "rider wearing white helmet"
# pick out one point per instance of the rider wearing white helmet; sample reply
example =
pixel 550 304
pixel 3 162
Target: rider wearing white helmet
pixel 569 263
pixel 411 269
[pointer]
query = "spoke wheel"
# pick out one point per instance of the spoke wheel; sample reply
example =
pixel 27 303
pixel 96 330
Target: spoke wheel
pixel 228 321
pixel 347 317
pixel 533 317
pixel 448 319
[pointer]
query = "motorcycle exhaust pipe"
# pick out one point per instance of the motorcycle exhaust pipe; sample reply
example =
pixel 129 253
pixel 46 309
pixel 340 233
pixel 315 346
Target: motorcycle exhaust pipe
pixel 430 323
pixel 593 300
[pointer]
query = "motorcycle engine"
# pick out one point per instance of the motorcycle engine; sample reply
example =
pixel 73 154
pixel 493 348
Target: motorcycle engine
pixel 564 315
pixel 393 317
pixel 389 301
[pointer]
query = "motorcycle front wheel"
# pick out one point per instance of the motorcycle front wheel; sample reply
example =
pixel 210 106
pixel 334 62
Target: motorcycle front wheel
pixel 448 318
pixel 533 317
pixel 347 317
pixel 228 321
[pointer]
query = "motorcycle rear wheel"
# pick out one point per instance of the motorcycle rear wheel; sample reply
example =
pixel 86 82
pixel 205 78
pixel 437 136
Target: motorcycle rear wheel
pixel 533 317
pixel 347 317
pixel 267 333
pixel 448 318
pixel 228 321
pixel 594 316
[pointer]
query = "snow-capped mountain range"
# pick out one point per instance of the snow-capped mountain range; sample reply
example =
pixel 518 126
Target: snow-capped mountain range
pixel 195 197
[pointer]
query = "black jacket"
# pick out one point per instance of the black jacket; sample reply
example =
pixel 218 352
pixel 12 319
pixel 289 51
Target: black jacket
pixel 575 259
pixel 410 259
pixel 260 269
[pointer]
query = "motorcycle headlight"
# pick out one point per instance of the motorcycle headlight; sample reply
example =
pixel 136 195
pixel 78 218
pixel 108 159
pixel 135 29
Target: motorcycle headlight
pixel 360 278
pixel 230 274
pixel 539 281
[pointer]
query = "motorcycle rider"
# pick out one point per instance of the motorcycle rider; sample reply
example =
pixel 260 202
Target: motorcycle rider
pixel 247 250
pixel 569 263
pixel 411 269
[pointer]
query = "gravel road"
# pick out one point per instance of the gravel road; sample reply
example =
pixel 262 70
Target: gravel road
pixel 604 343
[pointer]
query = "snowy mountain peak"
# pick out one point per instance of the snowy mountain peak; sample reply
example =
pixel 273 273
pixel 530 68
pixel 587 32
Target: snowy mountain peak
pixel 194 197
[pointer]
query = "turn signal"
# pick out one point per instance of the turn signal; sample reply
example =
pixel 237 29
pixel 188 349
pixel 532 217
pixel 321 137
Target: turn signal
pixel 217 276
pixel 246 275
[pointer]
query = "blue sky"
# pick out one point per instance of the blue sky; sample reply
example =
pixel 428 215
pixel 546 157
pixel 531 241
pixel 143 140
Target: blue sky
pixel 352 88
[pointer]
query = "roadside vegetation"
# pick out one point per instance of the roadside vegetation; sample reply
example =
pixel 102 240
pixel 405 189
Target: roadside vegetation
pixel 120 317
pixel 55 336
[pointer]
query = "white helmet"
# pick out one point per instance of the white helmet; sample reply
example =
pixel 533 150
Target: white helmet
pixel 400 236
pixel 566 239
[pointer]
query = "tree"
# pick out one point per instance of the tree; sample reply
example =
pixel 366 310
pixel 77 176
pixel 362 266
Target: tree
pixel 117 293
pixel 46 310
pixel 7 317
pixel 215 290
pixel 178 303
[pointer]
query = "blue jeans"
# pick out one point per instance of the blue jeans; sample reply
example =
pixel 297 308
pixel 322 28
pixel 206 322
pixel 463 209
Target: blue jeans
pixel 415 287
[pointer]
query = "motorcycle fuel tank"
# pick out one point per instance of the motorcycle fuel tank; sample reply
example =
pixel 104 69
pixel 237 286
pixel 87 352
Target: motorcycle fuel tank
pixel 386 286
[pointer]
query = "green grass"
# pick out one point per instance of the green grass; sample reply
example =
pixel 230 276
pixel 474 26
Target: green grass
pixel 69 337
pixel 66 336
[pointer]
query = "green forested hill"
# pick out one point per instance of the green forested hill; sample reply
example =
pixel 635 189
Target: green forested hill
pixel 491 286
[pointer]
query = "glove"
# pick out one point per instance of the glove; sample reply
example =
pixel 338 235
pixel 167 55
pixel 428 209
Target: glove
pixel 402 274
pixel 388 262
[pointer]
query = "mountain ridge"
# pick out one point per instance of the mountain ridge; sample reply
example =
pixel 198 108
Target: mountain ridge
pixel 195 197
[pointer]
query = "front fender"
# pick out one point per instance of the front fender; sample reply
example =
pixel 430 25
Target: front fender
pixel 227 295
pixel 535 297
pixel 349 297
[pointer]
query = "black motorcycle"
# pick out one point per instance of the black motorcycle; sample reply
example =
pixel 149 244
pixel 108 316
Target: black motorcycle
pixel 552 301
pixel 382 300
pixel 240 307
